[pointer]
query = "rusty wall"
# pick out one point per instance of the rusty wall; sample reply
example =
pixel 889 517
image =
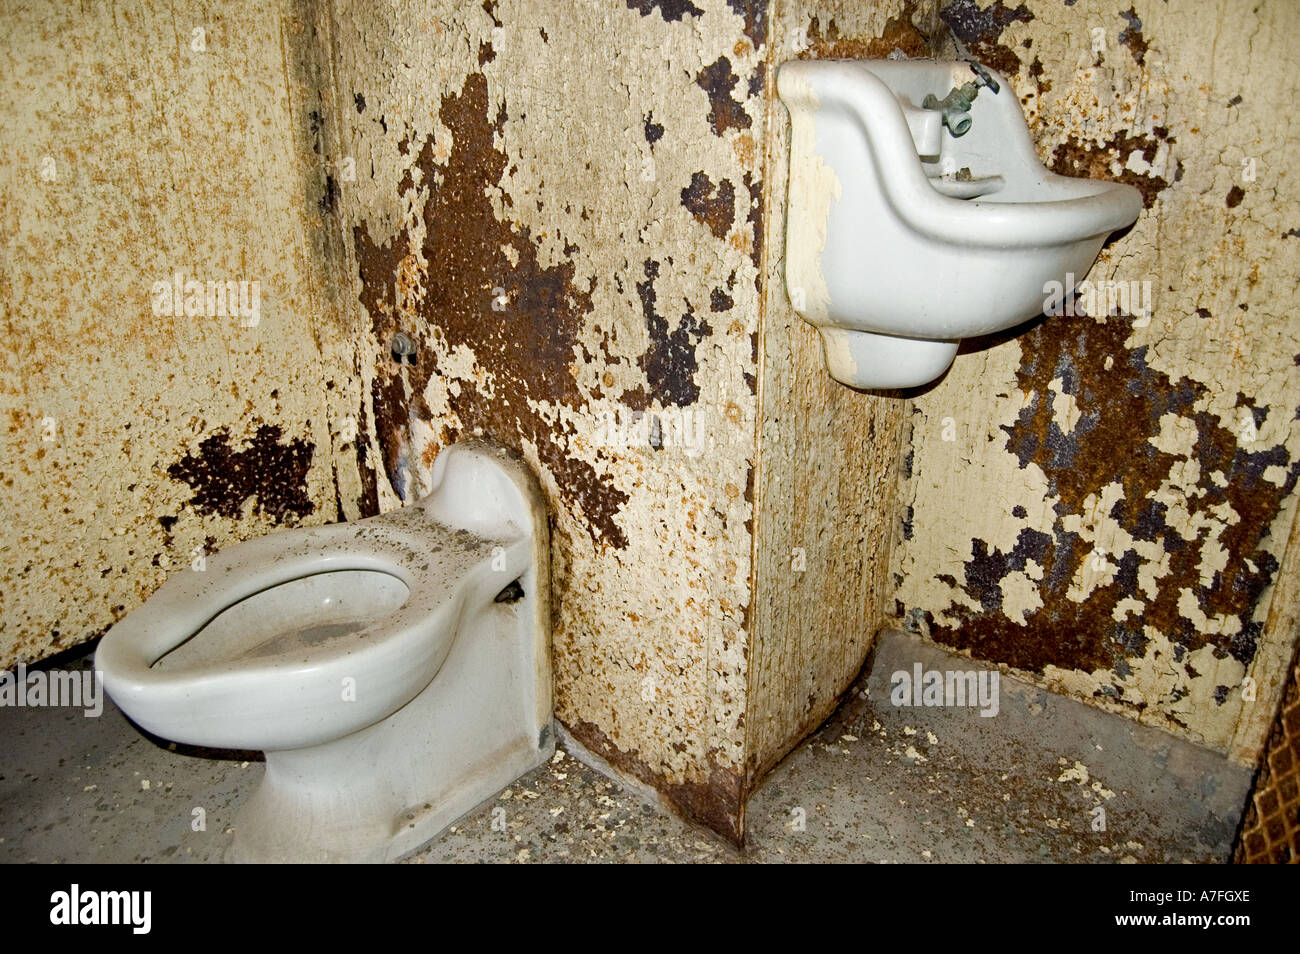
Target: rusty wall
pixel 143 424
pixel 560 205
pixel 829 455
pixel 1103 502
pixel 575 213
pixel 564 209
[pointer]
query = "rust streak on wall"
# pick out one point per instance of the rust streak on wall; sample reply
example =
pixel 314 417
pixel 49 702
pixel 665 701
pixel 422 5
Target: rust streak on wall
pixel 717 803
pixel 1122 407
pixel 1089 161
pixel 521 320
pixel 1102 502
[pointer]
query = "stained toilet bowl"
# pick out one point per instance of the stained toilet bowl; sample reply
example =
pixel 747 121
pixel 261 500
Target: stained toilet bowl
pixel 253 651
pixel 313 643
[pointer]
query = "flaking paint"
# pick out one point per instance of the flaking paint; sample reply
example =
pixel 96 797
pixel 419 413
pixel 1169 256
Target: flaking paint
pixel 1112 512
pixel 419 163
pixel 129 436
pixel 608 223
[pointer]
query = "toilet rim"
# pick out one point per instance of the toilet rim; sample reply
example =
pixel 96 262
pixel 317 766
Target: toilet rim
pixel 188 601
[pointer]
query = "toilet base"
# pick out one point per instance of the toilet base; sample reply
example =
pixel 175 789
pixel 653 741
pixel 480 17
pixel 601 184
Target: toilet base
pixel 384 791
pixel 282 823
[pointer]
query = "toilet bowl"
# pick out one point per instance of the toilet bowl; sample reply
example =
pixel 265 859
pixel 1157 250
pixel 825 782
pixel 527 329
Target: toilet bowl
pixel 395 670
pixel 911 227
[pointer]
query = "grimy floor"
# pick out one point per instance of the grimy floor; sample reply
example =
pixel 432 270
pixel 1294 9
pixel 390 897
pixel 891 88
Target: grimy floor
pixel 1046 779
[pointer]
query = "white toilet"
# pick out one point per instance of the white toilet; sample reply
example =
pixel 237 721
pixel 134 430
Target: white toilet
pixel 396 671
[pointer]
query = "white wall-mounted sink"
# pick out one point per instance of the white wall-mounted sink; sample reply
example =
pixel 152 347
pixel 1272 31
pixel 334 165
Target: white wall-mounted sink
pixel 903 238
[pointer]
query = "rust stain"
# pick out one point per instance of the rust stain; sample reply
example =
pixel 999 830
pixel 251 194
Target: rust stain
pixel 1076 158
pixel 717 803
pixel 653 131
pixel 669 362
pixel 725 112
pixel 713 206
pixel 980 30
pixel 1120 408
pixel 521 320
pixel 368 501
pixel 745 149
pixel 754 186
pixel 1131 36
pixel 900 33
pixel 272 473
pixel 670 10
pixel 754 13
pixel 1036 74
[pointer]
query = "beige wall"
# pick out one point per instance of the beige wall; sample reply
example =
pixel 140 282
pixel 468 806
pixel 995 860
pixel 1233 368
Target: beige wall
pixel 133 149
pixel 568 211
pixel 827 496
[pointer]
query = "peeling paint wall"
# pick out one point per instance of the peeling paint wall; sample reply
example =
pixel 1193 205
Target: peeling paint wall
pixel 560 206
pixel 1103 501
pixel 141 143
pixel 565 210
pixel 829 456
pixel 576 215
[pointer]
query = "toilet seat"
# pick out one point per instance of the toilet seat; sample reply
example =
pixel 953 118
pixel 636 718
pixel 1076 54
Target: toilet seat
pixel 297 695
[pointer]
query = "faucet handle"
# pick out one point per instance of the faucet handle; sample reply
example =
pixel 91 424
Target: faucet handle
pixel 984 76
pixel 964 55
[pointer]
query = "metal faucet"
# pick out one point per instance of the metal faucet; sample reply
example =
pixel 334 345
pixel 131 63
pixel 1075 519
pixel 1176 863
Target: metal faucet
pixel 956 105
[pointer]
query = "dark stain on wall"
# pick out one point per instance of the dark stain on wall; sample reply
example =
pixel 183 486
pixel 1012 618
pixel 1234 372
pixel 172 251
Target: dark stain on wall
pixel 981 30
pixel 316 129
pixel 1036 71
pixel 754 13
pixel 754 186
pixel 368 501
pixel 670 10
pixel 714 206
pixel 1076 158
pixel 900 34
pixel 1120 408
pixel 669 362
pixel 272 473
pixel 329 199
pixel 521 320
pixel 1131 36
pixel 718 803
pixel 653 131
pixel 389 398
pixel 725 112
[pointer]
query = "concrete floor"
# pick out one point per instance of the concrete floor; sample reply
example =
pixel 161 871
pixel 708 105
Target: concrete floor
pixel 876 783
